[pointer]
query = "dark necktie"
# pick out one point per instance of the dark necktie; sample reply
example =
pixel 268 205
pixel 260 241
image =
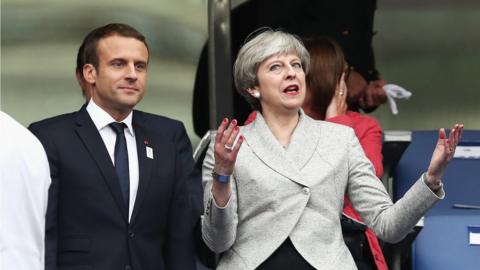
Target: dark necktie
pixel 121 160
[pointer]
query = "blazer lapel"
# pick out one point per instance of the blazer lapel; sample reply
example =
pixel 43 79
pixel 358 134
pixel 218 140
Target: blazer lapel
pixel 304 141
pixel 145 162
pixel 92 140
pixel 267 148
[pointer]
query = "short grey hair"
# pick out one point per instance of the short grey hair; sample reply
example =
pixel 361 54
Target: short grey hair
pixel 258 49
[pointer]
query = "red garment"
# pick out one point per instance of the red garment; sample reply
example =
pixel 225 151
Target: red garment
pixel 369 133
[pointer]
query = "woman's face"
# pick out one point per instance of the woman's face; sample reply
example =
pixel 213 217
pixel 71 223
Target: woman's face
pixel 281 83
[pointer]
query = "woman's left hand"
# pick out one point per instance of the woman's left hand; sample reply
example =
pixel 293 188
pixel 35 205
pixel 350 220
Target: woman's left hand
pixel 338 104
pixel 443 153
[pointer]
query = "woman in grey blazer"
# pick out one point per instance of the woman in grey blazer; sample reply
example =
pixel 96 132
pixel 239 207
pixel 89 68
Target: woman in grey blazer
pixel 274 189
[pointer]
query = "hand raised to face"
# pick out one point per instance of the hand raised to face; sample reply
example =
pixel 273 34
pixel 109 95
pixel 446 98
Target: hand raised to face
pixel 338 104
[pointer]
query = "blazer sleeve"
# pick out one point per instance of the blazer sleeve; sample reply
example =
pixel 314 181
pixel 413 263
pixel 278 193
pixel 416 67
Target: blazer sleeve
pixel 370 137
pixel 369 133
pixel 51 226
pixel 391 222
pixel 184 210
pixel 219 224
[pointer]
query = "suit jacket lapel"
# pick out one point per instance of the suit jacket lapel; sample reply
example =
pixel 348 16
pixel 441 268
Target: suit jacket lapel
pixel 145 164
pixel 267 148
pixel 92 140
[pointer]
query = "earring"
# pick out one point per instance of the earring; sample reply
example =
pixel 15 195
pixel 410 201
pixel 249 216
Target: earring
pixel 256 94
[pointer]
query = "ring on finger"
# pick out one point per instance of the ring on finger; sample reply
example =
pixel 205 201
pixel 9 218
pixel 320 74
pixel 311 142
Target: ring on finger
pixel 228 147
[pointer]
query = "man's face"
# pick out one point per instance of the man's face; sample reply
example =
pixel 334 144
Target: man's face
pixel 120 79
pixel 357 86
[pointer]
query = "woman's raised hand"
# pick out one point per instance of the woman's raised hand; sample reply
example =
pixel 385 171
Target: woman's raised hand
pixel 225 150
pixel 443 153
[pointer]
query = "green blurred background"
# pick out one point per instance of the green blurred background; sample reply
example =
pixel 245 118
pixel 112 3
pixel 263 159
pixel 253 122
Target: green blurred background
pixel 432 48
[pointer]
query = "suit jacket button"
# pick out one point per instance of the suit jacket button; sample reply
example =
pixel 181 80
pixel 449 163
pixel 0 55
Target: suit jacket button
pixel 131 234
pixel 306 190
pixel 128 267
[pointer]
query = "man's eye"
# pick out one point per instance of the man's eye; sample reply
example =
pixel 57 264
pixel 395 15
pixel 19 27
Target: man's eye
pixel 117 64
pixel 141 66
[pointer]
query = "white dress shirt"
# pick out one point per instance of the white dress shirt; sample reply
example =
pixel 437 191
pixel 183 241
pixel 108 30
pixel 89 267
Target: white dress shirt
pixel 24 183
pixel 102 119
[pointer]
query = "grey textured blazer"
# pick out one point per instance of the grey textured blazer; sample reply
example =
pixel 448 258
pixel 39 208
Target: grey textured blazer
pixel 298 193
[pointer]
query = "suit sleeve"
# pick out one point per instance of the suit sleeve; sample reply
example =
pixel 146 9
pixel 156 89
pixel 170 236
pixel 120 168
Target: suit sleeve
pixel 51 232
pixel 185 207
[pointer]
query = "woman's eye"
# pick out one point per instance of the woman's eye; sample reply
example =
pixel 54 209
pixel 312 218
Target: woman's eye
pixel 297 65
pixel 274 67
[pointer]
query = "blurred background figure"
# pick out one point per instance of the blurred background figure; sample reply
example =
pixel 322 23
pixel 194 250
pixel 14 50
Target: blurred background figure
pixel 24 183
pixel 443 57
pixel 348 22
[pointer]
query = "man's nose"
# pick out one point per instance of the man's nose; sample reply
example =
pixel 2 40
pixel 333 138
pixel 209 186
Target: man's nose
pixel 131 73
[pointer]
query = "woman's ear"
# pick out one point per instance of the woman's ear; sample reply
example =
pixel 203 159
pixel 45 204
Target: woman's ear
pixel 254 92
pixel 89 73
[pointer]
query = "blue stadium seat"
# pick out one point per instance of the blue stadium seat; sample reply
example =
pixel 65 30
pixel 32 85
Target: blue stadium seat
pixel 443 243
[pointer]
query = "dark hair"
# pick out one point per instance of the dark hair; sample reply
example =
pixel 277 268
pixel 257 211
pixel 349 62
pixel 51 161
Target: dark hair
pixel 327 63
pixel 87 53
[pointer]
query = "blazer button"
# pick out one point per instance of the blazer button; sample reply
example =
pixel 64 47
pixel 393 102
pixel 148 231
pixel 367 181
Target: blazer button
pixel 131 234
pixel 128 267
pixel 306 190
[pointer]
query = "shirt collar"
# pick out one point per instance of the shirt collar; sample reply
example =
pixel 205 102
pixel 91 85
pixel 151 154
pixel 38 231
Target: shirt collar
pixel 101 118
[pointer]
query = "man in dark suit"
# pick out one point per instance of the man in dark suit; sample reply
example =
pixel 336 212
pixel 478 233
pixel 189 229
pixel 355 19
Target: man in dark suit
pixel 125 193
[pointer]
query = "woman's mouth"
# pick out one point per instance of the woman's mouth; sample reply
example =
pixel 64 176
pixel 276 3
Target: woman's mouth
pixel 292 90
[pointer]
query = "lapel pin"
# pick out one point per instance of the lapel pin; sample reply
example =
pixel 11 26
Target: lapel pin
pixel 149 152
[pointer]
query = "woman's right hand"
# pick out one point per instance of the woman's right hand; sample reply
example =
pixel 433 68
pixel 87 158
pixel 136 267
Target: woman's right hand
pixel 225 153
pixel 338 104
pixel 224 150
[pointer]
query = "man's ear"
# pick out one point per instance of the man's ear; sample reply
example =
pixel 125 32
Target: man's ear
pixel 90 73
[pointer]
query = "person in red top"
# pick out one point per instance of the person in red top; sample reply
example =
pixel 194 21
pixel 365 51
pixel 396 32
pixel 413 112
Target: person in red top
pixel 327 99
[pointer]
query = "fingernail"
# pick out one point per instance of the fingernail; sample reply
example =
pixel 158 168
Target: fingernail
pixel 241 138
pixel 236 128
pixel 225 120
pixel 234 121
